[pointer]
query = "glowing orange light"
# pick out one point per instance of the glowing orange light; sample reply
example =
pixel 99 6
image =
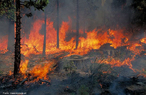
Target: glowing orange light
pixel 3 44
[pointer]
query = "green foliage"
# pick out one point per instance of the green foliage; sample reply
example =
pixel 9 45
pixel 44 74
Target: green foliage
pixel 70 67
pixel 83 90
pixel 37 4
pixel 7 9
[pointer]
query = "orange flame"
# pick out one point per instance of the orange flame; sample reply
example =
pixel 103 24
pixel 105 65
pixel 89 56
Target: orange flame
pixel 10 73
pixel 117 63
pixel 3 44
pixel 34 44
pixel 94 40
pixel 42 71
pixel 143 40
pixel 23 66
pixel 37 71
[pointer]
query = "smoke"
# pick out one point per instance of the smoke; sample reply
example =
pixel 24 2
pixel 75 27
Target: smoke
pixel 92 13
pixel 115 88
pixel 95 13
pixel 4 26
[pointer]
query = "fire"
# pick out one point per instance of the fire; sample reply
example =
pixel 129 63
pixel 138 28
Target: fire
pixel 94 39
pixel 118 37
pixel 143 40
pixel 38 71
pixel 3 44
pixel 117 62
pixel 42 71
pixel 10 73
pixel 33 44
pixel 136 48
pixel 23 66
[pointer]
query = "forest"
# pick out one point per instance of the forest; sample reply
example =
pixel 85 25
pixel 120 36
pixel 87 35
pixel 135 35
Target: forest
pixel 73 47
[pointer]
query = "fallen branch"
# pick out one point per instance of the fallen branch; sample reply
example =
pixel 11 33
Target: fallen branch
pixel 22 82
pixel 42 80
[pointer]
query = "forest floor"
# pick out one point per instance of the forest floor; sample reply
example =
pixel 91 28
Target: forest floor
pixel 79 75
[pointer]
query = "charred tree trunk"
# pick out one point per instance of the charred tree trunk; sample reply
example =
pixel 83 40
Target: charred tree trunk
pixel 77 25
pixel 17 40
pixel 44 44
pixel 57 23
pixel 11 37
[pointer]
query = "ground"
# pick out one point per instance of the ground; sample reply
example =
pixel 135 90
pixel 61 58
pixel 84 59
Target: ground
pixel 78 75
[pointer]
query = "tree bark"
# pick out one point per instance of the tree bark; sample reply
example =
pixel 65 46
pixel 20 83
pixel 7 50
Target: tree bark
pixel 44 44
pixel 57 23
pixel 77 25
pixel 11 37
pixel 17 40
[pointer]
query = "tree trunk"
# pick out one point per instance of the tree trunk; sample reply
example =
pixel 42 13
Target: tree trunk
pixel 11 37
pixel 57 23
pixel 77 25
pixel 44 44
pixel 17 40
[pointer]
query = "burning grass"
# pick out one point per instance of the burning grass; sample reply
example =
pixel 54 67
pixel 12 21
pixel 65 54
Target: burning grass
pixel 95 78
pixel 39 71
pixel 120 51
pixel 94 39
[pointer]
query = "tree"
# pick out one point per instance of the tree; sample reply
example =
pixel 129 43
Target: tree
pixel 18 37
pixel 57 23
pixel 44 44
pixel 37 4
pixel 77 24
pixel 47 11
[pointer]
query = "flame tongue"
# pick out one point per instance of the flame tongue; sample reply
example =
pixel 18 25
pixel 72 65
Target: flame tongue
pixel 94 40
pixel 23 67
pixel 39 71
pixel 143 40
pixel 42 71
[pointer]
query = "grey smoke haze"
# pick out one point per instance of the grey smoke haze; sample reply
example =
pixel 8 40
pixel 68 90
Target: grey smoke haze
pixel 92 14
